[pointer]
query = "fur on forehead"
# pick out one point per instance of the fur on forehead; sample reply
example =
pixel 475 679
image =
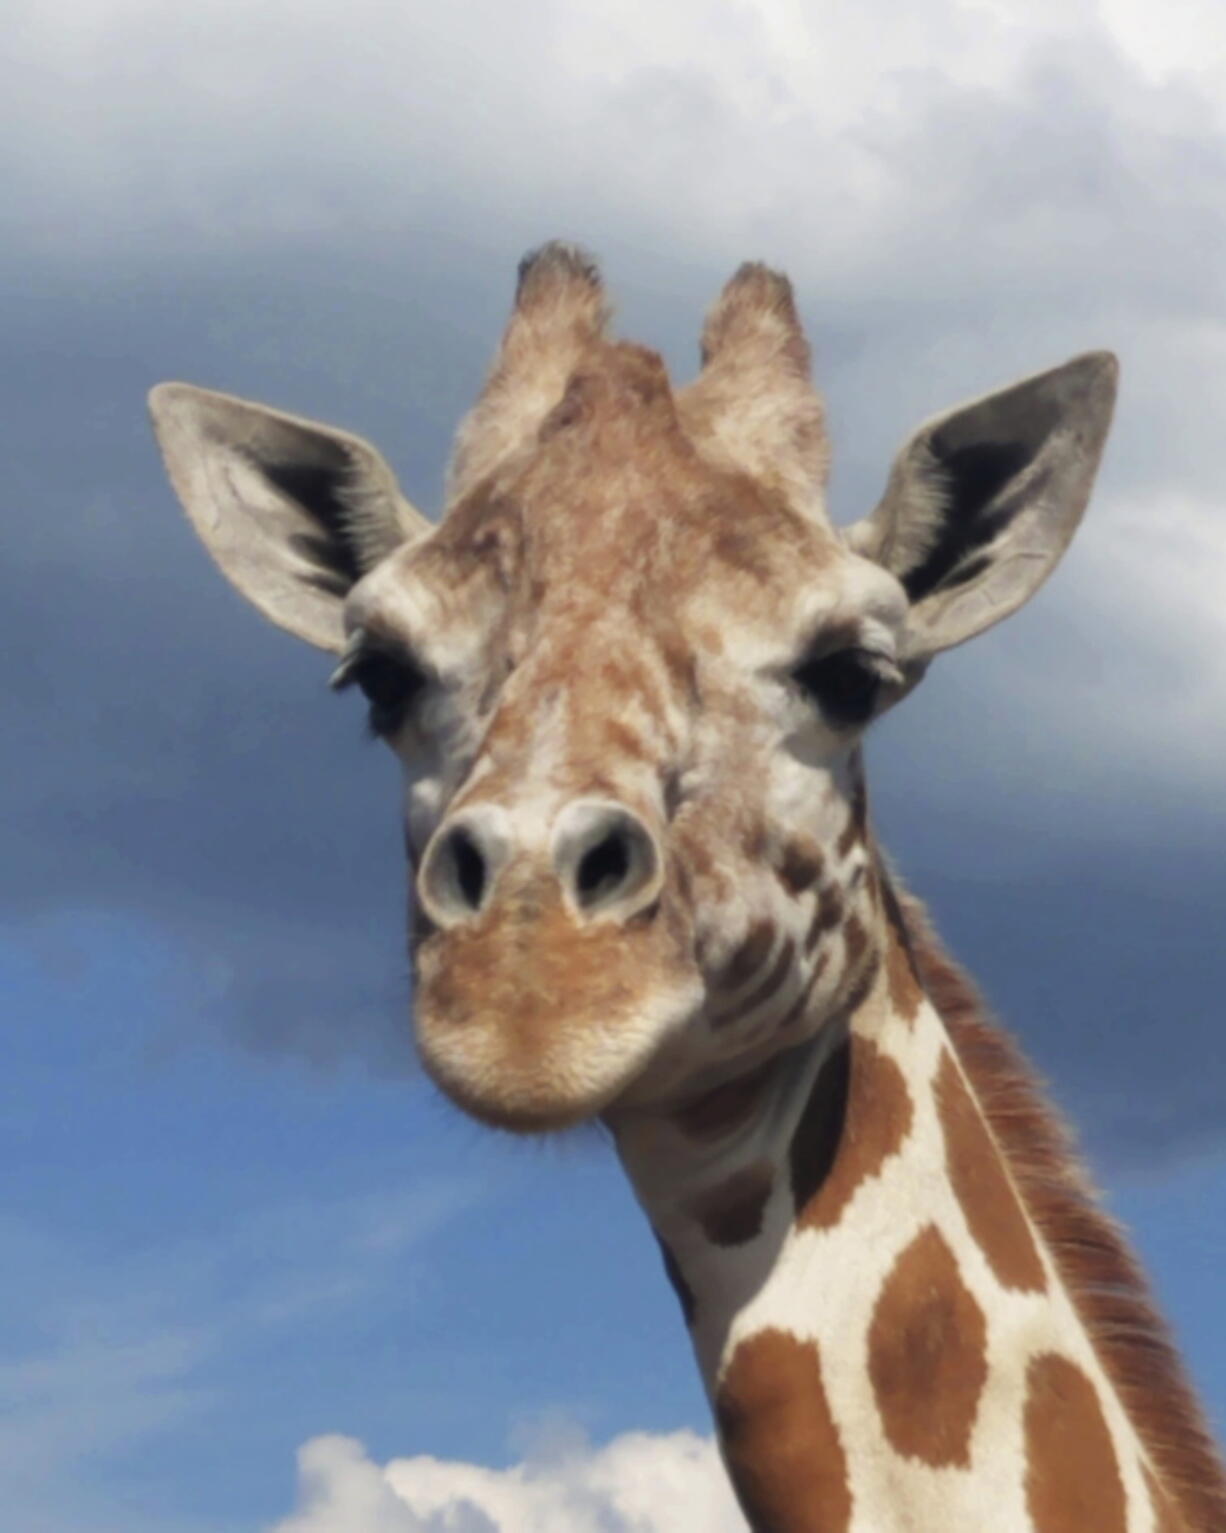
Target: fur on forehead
pixel 752 409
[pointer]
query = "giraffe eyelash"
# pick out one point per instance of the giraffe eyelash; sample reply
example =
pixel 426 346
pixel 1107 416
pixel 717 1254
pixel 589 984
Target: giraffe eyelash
pixel 391 683
pixel 847 684
pixel 342 676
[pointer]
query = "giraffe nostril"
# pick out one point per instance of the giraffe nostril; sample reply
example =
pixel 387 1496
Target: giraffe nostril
pixel 602 869
pixel 469 867
pixel 460 866
pixel 607 859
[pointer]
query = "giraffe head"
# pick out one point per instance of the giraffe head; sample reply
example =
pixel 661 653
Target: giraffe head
pixel 629 670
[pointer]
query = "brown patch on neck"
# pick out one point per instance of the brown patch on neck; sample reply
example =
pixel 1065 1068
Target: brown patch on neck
pixel 927 1355
pixel 724 1108
pixel 731 1214
pixel 779 1438
pixel 993 1213
pixel 1072 1476
pixel 1091 1256
pixel 857 1116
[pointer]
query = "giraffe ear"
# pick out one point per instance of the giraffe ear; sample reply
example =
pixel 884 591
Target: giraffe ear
pixel 982 501
pixel 293 512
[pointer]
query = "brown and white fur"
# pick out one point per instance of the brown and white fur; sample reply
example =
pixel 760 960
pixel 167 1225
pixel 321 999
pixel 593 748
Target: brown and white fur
pixel 628 674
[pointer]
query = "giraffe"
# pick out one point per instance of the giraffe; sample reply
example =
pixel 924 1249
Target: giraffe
pixel 629 674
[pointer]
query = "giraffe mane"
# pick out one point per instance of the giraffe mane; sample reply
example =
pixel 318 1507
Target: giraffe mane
pixel 1090 1251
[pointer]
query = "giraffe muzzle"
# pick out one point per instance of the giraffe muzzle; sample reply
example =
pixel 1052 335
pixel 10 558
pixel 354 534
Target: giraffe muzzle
pixel 556 964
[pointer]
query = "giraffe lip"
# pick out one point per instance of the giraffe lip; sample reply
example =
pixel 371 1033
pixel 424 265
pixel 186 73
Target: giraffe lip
pixel 536 1071
pixel 540 1100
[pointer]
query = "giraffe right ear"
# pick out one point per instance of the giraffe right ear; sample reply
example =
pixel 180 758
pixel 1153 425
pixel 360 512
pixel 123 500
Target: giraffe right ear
pixel 982 501
pixel 293 512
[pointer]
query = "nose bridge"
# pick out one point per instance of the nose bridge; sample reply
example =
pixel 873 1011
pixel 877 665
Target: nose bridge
pixel 588 714
pixel 540 807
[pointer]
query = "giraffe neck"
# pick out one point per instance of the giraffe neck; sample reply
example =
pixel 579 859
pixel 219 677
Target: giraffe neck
pixel 886 1338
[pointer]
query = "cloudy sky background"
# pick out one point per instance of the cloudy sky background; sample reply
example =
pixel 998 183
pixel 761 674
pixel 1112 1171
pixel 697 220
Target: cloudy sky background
pixel 237 1227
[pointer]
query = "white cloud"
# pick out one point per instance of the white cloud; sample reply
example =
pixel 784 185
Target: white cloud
pixel 1180 38
pixel 638 1483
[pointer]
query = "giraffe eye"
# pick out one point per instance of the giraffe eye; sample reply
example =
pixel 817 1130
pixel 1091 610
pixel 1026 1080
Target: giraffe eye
pixel 389 684
pixel 845 685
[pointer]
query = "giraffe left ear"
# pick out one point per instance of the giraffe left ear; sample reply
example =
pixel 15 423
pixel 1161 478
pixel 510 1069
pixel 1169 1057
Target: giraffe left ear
pixel 982 501
pixel 293 512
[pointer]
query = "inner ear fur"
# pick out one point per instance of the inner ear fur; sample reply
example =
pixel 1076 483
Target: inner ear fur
pixel 293 512
pixel 982 501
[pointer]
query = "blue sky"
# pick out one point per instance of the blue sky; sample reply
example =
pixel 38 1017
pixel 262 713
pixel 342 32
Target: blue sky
pixel 237 1224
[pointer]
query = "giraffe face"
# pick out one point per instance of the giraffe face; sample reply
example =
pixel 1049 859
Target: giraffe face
pixel 634 684
pixel 628 672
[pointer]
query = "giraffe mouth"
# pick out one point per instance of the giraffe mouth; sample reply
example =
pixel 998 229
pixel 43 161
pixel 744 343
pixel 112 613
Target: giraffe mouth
pixel 538 1025
pixel 546 1074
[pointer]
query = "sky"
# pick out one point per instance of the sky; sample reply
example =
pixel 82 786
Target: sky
pixel 256 1277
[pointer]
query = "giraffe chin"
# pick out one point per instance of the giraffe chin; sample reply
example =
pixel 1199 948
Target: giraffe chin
pixel 568 1078
pixel 520 1106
